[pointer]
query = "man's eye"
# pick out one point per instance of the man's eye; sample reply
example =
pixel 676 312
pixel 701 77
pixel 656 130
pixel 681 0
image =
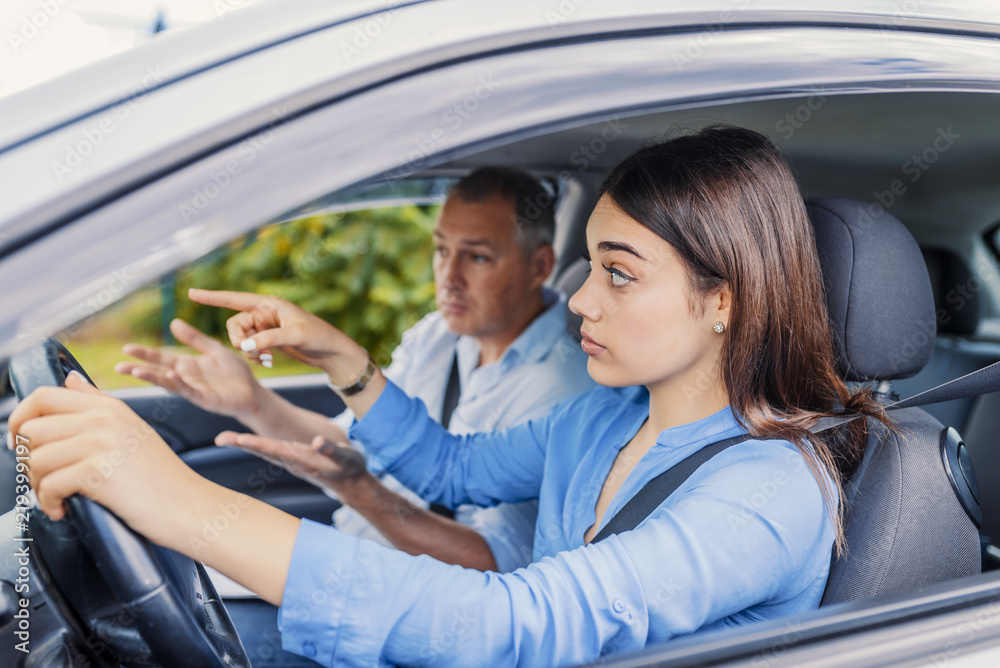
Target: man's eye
pixel 479 259
pixel 617 278
pixel 440 250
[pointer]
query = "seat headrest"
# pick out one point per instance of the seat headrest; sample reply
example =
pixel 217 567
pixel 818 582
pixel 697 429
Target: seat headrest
pixel 570 280
pixel 956 292
pixel 877 290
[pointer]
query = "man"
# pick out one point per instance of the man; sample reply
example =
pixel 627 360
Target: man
pixel 499 339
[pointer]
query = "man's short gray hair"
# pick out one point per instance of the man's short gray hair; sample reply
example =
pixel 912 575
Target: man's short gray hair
pixel 534 205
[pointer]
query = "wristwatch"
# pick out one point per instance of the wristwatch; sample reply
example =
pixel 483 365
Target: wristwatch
pixel 359 384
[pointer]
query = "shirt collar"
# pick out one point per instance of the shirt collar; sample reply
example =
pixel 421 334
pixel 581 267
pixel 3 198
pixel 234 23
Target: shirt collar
pixel 716 427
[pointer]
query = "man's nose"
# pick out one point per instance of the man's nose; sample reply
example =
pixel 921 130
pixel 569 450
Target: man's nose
pixel 451 272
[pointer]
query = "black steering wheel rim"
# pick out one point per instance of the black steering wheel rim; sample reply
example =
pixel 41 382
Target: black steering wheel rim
pixel 175 607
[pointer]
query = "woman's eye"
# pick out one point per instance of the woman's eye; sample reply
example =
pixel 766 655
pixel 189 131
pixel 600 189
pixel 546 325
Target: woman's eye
pixel 618 279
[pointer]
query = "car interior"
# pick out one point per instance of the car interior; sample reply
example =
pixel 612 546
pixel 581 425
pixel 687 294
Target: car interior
pixel 903 197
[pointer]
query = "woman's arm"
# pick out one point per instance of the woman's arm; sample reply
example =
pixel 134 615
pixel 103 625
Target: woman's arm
pixel 723 553
pixel 748 535
pixel 73 433
pixel 341 470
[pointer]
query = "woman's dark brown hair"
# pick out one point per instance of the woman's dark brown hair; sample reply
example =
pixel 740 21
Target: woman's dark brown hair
pixel 725 198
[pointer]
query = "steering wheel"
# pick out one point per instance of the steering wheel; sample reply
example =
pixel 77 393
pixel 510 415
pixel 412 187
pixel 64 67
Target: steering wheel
pixel 104 570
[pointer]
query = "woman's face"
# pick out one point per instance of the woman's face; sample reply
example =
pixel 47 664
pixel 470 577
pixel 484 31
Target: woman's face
pixel 642 323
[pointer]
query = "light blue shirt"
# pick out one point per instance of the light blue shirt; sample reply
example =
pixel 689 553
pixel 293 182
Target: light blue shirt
pixel 542 367
pixel 747 537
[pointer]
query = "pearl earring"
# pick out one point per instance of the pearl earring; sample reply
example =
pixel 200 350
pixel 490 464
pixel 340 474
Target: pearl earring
pixel 719 328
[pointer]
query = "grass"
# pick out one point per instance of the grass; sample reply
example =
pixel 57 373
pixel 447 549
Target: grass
pixel 99 357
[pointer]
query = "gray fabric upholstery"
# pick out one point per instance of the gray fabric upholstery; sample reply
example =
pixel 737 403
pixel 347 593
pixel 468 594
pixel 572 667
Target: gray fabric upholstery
pixel 905 528
pixel 904 525
pixel 878 292
pixel 569 281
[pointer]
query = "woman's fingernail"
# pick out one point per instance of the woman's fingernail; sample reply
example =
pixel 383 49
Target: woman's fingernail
pixel 10 440
pixel 266 356
pixel 267 363
pixel 79 375
pixel 248 345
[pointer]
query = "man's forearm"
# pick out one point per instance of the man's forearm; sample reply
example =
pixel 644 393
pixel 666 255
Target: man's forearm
pixel 276 417
pixel 416 530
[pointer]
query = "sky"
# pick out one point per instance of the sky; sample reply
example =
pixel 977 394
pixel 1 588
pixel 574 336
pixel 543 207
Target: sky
pixel 42 39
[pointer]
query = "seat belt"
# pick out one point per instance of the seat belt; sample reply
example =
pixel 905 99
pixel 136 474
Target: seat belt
pixel 659 488
pixel 656 491
pixel 451 394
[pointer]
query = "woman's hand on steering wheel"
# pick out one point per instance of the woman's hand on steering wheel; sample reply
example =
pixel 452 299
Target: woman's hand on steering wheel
pixel 82 441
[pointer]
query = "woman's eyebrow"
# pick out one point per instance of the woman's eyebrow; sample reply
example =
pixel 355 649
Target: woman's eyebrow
pixel 619 246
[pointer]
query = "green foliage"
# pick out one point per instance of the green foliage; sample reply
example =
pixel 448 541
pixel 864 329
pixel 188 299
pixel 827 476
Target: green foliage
pixel 366 272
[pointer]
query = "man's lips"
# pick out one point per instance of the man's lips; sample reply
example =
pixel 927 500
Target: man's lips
pixel 453 307
pixel 590 346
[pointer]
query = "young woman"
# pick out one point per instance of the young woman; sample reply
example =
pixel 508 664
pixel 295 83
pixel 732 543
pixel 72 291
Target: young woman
pixel 704 319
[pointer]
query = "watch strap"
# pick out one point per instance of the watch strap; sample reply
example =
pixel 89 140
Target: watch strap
pixel 358 385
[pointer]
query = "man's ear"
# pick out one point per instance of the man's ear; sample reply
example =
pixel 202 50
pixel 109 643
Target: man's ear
pixel 542 262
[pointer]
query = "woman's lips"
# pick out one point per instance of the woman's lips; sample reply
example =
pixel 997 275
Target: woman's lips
pixel 590 346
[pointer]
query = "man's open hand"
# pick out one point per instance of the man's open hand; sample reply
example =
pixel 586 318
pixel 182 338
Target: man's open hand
pixel 321 463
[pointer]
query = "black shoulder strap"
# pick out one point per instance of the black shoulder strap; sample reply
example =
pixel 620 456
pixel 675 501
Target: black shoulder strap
pixel 451 394
pixel 647 499
pixel 659 488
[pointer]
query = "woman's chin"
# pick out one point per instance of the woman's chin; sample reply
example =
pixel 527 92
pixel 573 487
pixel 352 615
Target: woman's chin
pixel 606 375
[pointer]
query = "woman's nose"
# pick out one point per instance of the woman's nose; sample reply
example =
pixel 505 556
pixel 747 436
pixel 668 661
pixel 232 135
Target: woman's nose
pixel 583 302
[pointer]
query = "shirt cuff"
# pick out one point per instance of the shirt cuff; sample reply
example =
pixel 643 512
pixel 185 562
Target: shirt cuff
pixel 381 428
pixel 316 589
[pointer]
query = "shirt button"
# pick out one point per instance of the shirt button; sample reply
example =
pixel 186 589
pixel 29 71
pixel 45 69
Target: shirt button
pixel 618 606
pixel 309 649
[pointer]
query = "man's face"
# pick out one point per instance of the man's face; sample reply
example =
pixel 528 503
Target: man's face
pixel 483 279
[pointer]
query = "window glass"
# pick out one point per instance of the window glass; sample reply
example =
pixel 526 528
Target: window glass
pixel 367 272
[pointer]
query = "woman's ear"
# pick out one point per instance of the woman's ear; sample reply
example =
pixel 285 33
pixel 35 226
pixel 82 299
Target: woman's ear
pixel 723 302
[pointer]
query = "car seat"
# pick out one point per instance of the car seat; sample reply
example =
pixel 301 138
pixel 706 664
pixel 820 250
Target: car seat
pixel 912 506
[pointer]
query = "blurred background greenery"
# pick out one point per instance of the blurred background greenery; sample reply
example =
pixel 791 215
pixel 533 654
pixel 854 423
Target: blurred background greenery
pixel 366 272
